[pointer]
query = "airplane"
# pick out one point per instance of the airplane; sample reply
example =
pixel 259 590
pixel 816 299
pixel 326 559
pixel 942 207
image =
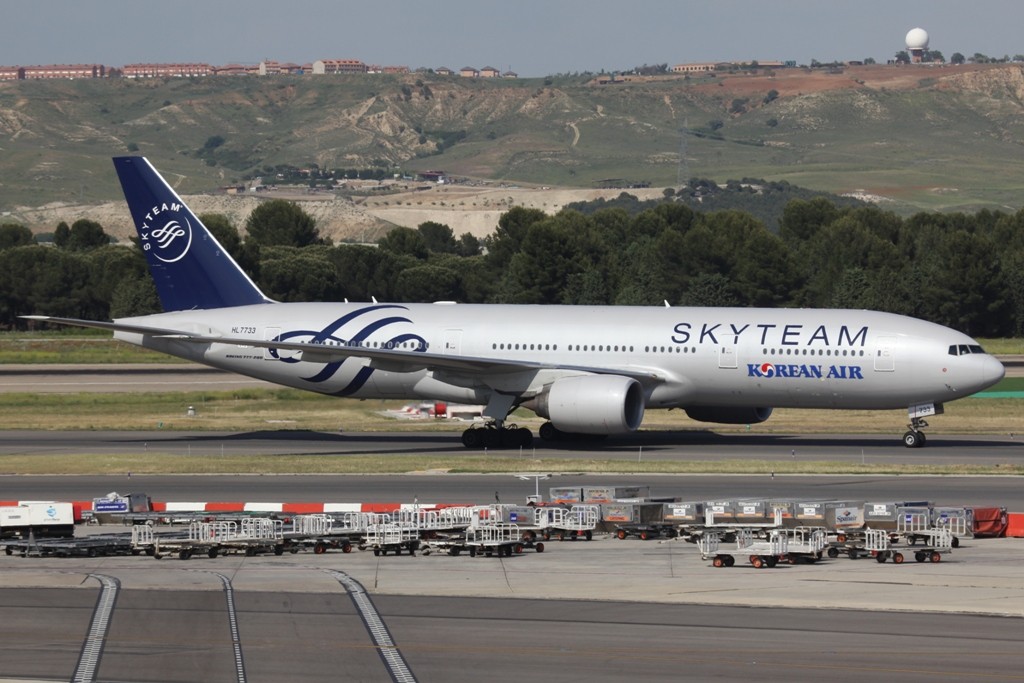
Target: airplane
pixel 591 371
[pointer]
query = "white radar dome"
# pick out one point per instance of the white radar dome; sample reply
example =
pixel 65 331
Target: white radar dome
pixel 917 39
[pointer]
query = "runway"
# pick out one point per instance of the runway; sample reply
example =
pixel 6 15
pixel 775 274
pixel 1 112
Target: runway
pixel 708 446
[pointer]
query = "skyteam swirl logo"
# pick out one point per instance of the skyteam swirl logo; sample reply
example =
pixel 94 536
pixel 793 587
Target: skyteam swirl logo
pixel 354 330
pixel 171 240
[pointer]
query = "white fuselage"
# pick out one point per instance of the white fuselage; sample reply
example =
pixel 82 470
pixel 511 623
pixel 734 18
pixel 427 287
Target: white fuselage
pixel 729 357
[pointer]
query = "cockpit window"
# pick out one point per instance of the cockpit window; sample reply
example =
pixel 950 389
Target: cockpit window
pixel 965 349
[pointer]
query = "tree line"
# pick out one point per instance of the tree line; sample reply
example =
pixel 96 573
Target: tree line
pixel 965 271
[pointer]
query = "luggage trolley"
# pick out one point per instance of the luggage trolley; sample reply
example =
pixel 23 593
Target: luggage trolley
pixel 936 540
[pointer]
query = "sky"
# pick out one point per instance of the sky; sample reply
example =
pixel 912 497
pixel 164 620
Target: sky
pixel 529 37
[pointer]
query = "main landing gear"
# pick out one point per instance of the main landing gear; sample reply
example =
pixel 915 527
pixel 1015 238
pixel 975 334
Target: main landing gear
pixel 494 436
pixel 914 437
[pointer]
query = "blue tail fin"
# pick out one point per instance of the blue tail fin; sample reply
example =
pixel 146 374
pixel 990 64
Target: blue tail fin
pixel 190 268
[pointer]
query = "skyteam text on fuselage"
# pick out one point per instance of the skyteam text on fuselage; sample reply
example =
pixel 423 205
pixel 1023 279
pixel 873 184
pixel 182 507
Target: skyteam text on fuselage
pixel 589 370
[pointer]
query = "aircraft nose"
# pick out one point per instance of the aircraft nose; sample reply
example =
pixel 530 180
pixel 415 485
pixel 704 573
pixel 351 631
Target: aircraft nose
pixel 991 371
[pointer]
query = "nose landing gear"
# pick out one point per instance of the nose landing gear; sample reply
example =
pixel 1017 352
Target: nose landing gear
pixel 914 437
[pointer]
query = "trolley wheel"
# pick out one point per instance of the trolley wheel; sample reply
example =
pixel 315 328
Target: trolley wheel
pixel 472 551
pixel 212 552
pixel 453 551
pixel 518 549
pixel 376 552
pixel 729 560
pixel 644 535
pixel 854 553
pixel 717 561
pixel 620 534
pixel 346 547
pixel 319 548
pixel 757 562
pixel 588 534
pixel 919 556
pixel 561 535
pixel 279 550
pixel 956 542
pixel 841 538
pixel 833 553
pixel 157 556
pixel 539 547
pixel 912 540
pixel 935 557
pixel 897 558
pixel 771 561
pixel 880 558
pixel 546 535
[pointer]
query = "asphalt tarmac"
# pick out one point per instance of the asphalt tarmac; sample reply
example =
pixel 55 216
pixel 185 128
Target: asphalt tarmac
pixel 993 449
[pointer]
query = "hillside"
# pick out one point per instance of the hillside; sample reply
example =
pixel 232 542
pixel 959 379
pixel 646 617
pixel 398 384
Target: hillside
pixel 912 137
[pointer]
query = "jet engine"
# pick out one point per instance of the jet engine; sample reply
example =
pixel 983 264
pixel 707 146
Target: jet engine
pixel 592 404
pixel 728 415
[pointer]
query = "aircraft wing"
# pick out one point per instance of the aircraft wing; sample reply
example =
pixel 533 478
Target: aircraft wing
pixel 392 360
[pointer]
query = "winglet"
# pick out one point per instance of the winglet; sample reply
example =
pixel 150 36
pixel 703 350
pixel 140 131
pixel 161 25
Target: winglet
pixel 189 267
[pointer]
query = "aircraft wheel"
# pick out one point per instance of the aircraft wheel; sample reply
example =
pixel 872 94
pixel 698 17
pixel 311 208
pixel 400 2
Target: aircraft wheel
pixel 549 432
pixel 471 438
pixel 912 439
pixel 525 437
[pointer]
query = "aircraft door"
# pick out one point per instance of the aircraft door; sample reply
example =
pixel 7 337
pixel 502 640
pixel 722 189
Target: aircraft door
pixel 727 357
pixel 452 343
pixel 885 354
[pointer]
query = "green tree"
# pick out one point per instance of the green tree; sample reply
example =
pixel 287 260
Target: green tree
pixel 281 223
pixel 539 271
pixel 61 235
pixel 438 237
pixel 14 235
pixel 405 242
pixel 508 237
pixel 290 274
pixel 428 283
pixel 86 234
pixel 223 231
pixel 134 296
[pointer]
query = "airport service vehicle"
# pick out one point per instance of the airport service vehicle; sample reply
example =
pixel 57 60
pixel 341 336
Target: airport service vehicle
pixel 591 371
pixel 39 519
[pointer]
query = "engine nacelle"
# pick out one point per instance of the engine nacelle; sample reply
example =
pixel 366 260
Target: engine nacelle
pixel 728 415
pixel 592 404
